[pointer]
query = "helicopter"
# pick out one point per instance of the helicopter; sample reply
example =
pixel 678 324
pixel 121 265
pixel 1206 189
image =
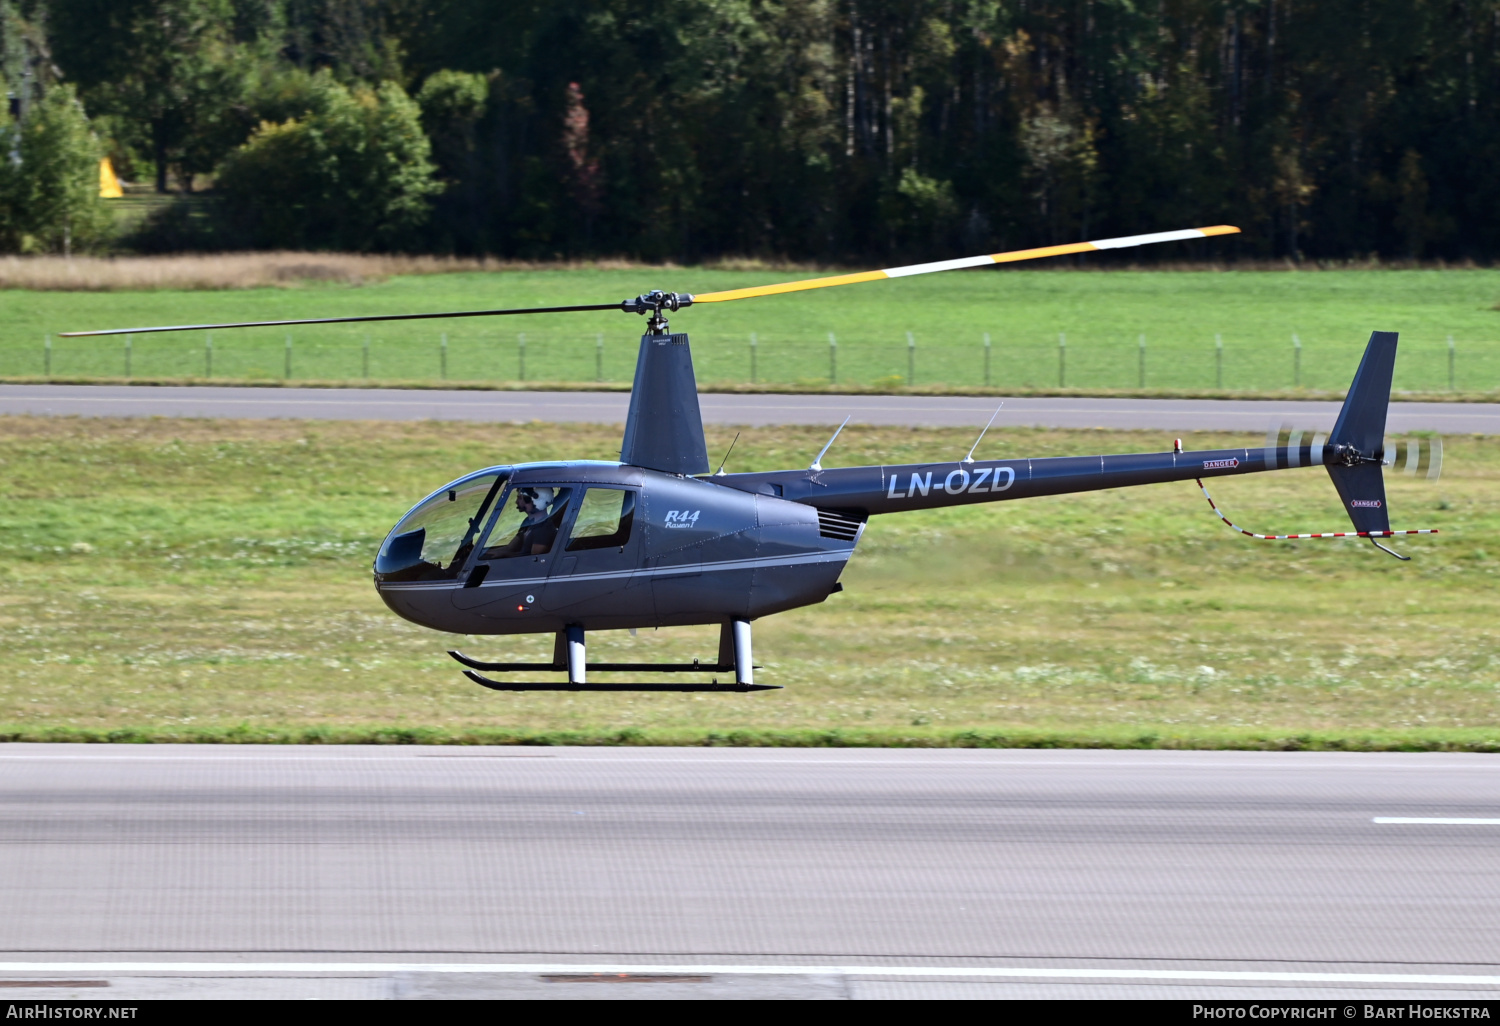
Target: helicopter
pixel 653 539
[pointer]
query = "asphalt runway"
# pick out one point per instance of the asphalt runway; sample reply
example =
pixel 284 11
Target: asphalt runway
pixel 153 871
pixel 753 410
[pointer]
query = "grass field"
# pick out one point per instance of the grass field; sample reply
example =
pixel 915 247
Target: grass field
pixel 1101 316
pixel 196 580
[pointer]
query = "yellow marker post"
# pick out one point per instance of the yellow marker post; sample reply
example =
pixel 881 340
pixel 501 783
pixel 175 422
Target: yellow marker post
pixel 109 183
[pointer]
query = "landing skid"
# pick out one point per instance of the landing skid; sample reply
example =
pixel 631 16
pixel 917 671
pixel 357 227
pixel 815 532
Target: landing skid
pixel 568 656
pixel 693 667
pixel 506 685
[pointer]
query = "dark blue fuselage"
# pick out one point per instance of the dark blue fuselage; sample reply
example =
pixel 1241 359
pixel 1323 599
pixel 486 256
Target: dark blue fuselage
pixel 703 550
pixel 697 551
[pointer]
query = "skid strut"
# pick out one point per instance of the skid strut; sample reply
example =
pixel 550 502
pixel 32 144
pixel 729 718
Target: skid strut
pixel 569 656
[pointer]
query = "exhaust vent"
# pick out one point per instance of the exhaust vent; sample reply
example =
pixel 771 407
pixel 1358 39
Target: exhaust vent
pixel 835 524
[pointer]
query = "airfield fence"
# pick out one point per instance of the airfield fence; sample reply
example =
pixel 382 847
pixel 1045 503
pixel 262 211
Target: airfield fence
pixel 1427 363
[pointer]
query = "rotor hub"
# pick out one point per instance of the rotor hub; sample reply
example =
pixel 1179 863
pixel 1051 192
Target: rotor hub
pixel 1340 455
pixel 653 303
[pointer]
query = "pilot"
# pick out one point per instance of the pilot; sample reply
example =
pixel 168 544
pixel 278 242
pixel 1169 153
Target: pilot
pixel 539 530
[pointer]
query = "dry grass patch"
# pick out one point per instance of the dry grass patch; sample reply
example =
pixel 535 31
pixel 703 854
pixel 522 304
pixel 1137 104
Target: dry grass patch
pixel 197 272
pixel 200 272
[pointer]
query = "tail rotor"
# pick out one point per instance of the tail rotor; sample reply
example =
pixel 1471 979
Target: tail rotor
pixel 1356 453
pixel 1288 445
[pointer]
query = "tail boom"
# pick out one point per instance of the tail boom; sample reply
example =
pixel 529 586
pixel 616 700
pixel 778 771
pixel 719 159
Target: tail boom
pixel 895 489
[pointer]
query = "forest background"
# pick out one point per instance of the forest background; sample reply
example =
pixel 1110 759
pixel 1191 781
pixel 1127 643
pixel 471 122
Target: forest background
pixel 689 130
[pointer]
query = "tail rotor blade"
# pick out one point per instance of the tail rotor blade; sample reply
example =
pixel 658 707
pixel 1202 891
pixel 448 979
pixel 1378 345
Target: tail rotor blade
pixel 1414 457
pixel 1291 446
pixel 1284 444
pixel 1292 440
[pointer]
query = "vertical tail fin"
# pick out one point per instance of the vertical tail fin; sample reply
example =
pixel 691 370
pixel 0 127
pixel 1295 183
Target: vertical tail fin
pixel 1356 446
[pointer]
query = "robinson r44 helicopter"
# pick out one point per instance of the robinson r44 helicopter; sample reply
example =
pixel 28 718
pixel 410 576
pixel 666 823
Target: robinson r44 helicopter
pixel 654 540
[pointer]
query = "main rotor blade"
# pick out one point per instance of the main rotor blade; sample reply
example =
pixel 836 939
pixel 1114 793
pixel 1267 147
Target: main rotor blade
pixel 975 261
pixel 345 320
pixel 630 306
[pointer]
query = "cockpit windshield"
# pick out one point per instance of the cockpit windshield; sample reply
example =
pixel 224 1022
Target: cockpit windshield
pixel 437 536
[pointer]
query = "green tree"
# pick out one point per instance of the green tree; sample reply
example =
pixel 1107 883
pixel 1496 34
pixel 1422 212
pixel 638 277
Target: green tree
pixel 355 175
pixel 171 66
pixel 26 64
pixel 1062 163
pixel 453 103
pixel 278 94
pixel 49 188
pixel 350 37
pixel 844 129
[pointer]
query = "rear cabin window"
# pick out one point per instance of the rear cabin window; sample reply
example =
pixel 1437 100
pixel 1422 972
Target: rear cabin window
pixel 604 519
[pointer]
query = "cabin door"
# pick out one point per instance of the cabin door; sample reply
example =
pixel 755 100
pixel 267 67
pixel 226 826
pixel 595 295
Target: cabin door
pixel 518 551
pixel 596 567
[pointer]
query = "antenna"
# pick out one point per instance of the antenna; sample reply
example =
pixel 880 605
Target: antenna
pixel 720 471
pixel 970 458
pixel 817 463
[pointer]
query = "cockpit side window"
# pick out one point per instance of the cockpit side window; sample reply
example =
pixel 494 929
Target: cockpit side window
pixel 604 519
pixel 529 522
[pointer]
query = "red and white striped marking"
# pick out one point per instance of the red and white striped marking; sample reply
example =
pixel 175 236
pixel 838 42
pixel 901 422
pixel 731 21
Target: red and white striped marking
pixel 1295 537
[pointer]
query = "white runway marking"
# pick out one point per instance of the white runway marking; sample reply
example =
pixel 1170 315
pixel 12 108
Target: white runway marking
pixel 1438 820
pixel 615 969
